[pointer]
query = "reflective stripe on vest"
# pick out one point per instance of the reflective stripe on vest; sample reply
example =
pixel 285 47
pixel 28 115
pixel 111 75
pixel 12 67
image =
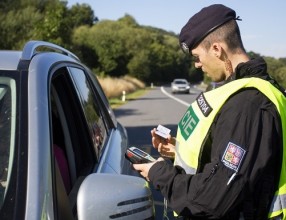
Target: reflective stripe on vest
pixel 278 204
pixel 195 124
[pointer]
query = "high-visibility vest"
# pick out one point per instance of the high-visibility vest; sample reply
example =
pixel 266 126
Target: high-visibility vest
pixel 195 124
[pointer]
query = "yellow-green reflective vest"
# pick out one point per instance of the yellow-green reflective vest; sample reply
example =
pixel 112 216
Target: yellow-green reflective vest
pixel 194 126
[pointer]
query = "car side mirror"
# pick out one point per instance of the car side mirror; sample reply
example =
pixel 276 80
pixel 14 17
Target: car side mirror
pixel 110 196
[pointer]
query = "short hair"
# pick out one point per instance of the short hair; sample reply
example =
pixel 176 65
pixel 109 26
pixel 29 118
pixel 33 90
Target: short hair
pixel 228 33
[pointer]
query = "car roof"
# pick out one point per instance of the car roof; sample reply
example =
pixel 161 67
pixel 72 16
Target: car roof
pixel 9 59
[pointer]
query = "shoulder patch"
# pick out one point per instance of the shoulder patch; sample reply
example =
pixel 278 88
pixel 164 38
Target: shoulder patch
pixel 233 156
pixel 203 105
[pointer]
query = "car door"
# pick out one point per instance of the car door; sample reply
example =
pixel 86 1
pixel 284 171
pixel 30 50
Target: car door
pixel 79 135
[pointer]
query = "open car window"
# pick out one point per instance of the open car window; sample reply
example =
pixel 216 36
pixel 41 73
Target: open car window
pixel 79 130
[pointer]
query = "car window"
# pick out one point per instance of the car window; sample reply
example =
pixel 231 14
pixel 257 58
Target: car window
pixel 90 103
pixel 180 82
pixel 7 132
pixel 79 131
pixel 72 144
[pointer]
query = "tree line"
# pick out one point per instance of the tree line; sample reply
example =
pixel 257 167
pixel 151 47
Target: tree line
pixel 109 48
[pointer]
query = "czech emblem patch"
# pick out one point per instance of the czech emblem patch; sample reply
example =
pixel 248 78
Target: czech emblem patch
pixel 233 156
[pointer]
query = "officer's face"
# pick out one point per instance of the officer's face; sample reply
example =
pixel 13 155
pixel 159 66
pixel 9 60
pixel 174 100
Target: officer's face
pixel 209 62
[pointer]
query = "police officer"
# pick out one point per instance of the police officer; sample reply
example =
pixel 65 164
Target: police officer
pixel 229 145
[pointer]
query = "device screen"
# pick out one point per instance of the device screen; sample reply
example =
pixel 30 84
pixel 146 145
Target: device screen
pixel 140 152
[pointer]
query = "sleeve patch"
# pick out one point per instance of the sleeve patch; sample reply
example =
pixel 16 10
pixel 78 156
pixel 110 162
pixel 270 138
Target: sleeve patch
pixel 233 156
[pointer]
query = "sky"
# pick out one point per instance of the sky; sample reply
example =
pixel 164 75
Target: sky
pixel 263 25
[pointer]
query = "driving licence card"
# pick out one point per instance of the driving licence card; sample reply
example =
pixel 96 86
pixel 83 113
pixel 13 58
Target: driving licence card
pixel 162 131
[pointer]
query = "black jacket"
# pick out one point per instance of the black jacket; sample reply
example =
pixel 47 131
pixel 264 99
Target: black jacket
pixel 250 120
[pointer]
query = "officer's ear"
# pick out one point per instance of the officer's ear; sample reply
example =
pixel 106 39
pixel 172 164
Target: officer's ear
pixel 217 50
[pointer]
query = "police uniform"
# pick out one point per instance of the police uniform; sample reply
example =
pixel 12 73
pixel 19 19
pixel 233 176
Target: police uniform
pixel 248 124
pixel 250 121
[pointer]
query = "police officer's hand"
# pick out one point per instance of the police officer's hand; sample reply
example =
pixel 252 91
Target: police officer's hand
pixel 166 147
pixel 144 168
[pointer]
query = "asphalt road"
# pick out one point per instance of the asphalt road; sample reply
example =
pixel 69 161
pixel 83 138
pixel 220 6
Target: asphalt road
pixel 140 116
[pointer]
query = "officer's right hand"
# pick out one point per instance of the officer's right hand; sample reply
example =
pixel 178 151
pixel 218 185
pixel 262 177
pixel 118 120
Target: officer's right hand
pixel 166 147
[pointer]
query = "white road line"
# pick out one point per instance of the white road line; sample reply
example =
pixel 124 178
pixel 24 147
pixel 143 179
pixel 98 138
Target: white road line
pixel 173 97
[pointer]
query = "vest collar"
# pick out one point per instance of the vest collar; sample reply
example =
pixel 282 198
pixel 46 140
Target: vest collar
pixel 253 68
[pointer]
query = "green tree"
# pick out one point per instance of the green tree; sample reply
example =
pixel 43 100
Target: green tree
pixel 139 66
pixel 7 5
pixel 280 76
pixel 17 26
pixel 106 39
pixel 53 27
pixel 80 14
pixel 33 19
pixel 272 64
pixel 81 39
pixel 253 55
pixel 283 60
pixel 113 48
pixel 124 47
pixel 128 20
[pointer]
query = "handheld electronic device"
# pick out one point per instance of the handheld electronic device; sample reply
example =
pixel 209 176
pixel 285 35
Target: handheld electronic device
pixel 135 155
pixel 162 131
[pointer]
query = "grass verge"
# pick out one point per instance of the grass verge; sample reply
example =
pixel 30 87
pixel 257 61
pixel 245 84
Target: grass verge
pixel 117 102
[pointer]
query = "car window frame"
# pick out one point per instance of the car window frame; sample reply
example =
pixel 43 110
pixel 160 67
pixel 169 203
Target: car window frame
pixel 77 157
pixel 15 199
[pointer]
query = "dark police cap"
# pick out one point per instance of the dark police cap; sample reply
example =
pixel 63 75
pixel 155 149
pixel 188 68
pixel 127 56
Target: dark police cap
pixel 203 23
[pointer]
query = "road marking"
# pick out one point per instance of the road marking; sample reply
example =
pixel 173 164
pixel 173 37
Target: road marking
pixel 173 97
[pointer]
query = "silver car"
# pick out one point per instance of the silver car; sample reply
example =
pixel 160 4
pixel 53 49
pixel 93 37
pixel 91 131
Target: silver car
pixel 61 147
pixel 180 86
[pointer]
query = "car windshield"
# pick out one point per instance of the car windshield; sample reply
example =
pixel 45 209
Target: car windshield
pixel 180 82
pixel 7 131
